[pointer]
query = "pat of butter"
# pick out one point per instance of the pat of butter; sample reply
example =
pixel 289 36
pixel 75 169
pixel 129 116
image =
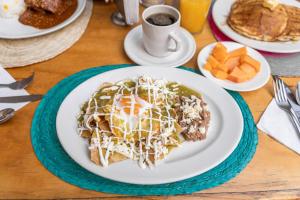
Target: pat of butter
pixel 271 4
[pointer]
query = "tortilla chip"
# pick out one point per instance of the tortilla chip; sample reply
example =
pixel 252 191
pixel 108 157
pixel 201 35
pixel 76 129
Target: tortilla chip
pixel 86 134
pixel 113 158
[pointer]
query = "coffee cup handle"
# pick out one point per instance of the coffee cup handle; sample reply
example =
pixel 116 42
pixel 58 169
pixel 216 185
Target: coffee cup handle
pixel 177 41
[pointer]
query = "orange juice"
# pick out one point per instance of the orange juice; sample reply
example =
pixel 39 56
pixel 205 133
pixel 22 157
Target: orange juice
pixel 194 13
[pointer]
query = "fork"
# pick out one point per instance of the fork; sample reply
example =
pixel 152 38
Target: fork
pixel 282 101
pixel 21 84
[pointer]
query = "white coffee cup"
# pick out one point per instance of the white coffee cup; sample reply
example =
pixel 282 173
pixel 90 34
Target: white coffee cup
pixel 160 41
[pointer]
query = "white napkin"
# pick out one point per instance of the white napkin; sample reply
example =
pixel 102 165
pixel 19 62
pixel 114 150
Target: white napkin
pixel 277 123
pixel 5 77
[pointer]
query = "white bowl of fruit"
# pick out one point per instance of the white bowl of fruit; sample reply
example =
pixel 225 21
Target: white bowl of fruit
pixel 234 66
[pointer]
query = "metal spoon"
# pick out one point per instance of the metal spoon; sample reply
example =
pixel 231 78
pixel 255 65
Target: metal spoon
pixel 6 114
pixel 298 93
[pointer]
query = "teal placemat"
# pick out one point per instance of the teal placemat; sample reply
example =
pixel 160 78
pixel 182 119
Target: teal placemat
pixel 51 154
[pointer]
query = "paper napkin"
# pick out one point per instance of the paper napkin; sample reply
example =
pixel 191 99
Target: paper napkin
pixel 5 77
pixel 277 123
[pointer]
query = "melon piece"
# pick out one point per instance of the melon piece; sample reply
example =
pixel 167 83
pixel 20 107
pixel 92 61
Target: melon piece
pixel 251 61
pixel 237 76
pixel 212 61
pixel 219 74
pixel 248 69
pixel 208 66
pixel 231 63
pixel 220 52
pixel 222 67
pixel 238 52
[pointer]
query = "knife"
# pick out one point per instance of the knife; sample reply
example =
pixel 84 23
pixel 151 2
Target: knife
pixel 19 99
pixel 292 101
pixel 298 93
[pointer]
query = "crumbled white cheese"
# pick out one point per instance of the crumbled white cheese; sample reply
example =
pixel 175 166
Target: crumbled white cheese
pixel 192 129
pixel 202 130
pixel 186 120
pixel 191 111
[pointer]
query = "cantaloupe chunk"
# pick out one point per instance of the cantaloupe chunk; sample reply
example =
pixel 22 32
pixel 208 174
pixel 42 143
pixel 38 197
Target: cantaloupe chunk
pixel 238 52
pixel 251 61
pixel 208 66
pixel 235 66
pixel 231 63
pixel 237 75
pixel 220 52
pixel 212 61
pixel 219 74
pixel 222 67
pixel 248 69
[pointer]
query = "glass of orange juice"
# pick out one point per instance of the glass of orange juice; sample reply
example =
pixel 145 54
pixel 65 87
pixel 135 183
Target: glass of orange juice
pixel 194 13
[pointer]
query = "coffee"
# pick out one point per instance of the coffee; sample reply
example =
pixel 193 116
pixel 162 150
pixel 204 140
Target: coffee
pixel 161 19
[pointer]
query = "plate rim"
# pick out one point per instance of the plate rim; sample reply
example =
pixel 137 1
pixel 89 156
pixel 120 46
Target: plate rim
pixel 228 153
pixel 173 64
pixel 245 40
pixel 219 82
pixel 67 22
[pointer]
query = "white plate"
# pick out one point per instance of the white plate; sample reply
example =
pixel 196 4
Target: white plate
pixel 258 81
pixel 220 13
pixel 134 48
pixel 13 29
pixel 187 161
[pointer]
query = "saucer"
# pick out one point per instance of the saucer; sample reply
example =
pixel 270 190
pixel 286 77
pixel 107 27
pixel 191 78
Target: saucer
pixel 135 50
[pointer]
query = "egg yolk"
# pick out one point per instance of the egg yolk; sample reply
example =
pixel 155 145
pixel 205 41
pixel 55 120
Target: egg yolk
pixel 129 104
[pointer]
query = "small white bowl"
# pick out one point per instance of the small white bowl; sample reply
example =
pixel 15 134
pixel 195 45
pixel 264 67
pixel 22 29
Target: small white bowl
pixel 255 83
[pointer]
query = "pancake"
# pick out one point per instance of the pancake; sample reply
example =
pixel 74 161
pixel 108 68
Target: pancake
pixel 254 20
pixel 292 31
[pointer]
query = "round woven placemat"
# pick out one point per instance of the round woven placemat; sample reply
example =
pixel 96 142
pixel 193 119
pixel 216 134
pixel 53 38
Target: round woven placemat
pixel 51 154
pixel 18 53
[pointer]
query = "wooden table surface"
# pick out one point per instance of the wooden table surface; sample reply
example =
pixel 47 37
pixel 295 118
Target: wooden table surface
pixel 274 172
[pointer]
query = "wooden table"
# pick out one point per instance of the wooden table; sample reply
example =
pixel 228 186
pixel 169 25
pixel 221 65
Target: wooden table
pixel 274 172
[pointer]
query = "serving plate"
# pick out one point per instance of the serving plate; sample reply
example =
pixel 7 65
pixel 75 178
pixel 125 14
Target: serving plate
pixel 255 83
pixel 13 29
pixel 192 158
pixel 221 11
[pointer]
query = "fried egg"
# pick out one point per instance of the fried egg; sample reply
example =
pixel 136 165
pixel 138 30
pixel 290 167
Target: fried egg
pixel 11 8
pixel 132 106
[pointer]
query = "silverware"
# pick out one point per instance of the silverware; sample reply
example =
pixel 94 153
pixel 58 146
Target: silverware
pixel 18 99
pixel 282 101
pixel 21 84
pixel 6 114
pixel 292 100
pixel 298 93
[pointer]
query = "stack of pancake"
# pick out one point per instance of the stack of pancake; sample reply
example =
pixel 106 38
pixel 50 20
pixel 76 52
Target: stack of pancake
pixel 265 20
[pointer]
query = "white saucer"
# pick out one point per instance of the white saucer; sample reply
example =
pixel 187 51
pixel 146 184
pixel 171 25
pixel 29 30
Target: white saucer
pixel 134 48
pixel 255 83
